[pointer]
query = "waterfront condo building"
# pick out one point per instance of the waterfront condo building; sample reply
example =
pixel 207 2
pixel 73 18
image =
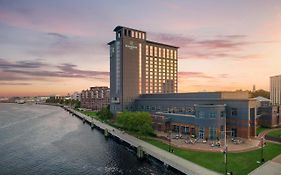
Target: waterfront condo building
pixel 95 98
pixel 139 66
pixel 275 90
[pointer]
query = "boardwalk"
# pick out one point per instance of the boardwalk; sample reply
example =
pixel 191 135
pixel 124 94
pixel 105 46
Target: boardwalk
pixel 167 158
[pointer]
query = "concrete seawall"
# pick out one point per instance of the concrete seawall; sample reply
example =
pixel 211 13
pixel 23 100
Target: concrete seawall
pixel 169 160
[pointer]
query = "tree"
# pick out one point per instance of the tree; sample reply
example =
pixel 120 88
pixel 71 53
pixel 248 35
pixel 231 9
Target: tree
pixel 260 92
pixel 136 121
pixel 104 113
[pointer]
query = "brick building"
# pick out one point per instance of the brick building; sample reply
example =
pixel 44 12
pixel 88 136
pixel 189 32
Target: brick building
pixel 95 98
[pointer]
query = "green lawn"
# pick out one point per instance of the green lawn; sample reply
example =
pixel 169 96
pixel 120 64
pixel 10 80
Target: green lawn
pixel 92 114
pixel 275 133
pixel 260 129
pixel 238 163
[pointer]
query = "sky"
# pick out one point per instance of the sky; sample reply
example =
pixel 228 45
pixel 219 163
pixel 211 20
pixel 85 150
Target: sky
pixel 60 46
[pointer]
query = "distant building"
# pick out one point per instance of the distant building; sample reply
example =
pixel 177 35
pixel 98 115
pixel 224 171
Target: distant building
pixel 76 96
pixel 262 101
pixel 267 115
pixel 95 98
pixel 275 90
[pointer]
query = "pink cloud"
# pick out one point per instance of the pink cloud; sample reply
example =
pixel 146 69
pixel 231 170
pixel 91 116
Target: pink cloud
pixel 46 24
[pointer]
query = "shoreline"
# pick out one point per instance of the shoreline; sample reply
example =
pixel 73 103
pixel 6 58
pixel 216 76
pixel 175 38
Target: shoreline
pixel 165 158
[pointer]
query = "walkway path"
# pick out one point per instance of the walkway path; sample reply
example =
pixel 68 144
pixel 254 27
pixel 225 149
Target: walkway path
pixel 264 133
pixel 269 168
pixel 167 158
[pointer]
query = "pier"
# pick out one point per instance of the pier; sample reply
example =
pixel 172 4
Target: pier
pixel 145 149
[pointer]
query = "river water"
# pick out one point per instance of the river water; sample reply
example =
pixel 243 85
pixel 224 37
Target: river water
pixel 39 139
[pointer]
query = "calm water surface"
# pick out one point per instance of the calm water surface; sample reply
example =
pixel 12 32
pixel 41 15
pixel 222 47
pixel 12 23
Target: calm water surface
pixel 38 139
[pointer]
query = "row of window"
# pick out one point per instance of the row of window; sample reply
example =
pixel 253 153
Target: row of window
pixel 132 33
pixel 160 52
pixel 212 114
pixel 160 61
pixel 161 77
pixel 159 72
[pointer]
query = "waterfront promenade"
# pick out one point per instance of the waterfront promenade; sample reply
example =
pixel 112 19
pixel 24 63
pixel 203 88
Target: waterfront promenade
pixel 167 158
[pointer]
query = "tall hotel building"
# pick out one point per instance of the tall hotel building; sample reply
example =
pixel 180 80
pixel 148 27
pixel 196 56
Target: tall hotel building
pixel 139 66
pixel 144 77
pixel 275 90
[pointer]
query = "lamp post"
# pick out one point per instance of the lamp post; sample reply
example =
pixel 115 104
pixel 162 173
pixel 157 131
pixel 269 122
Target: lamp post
pixel 225 147
pixel 262 143
pixel 170 139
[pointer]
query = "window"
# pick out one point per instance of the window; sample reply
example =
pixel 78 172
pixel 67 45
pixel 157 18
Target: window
pixel 133 34
pixel 222 114
pixel 142 35
pixel 212 133
pixel 155 52
pixel 234 112
pixel 150 50
pixel 146 51
pixel 212 115
pixel 201 114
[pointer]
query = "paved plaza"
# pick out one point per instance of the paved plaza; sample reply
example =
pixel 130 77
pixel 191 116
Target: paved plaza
pixel 200 145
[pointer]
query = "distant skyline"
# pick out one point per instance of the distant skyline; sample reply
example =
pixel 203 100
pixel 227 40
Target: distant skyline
pixel 59 47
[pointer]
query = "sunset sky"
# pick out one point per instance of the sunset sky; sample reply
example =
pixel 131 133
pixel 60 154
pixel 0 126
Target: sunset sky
pixel 60 46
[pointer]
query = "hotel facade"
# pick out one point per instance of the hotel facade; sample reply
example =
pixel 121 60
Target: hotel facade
pixel 139 66
pixel 144 77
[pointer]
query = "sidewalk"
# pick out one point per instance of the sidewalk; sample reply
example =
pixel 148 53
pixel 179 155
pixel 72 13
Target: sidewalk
pixel 269 168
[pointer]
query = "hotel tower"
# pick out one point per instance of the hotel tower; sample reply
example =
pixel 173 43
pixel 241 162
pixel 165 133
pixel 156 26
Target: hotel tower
pixel 139 66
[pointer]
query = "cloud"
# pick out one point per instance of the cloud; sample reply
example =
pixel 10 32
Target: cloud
pixel 195 75
pixel 20 64
pixel 220 46
pixel 58 35
pixel 14 71
pixel 219 42
pixel 200 75
pixel 14 84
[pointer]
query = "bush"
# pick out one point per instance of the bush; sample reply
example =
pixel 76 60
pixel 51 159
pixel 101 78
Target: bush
pixel 104 113
pixel 136 121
